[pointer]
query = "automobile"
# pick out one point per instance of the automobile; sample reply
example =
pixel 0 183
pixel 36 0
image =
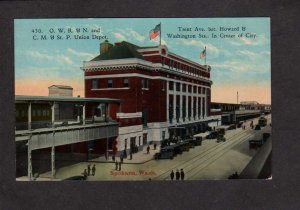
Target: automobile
pixel 254 144
pixel 257 127
pixel 75 178
pixel 196 141
pixel 212 135
pixel 231 127
pixel 165 153
pixel 239 124
pixel 222 130
pixel 177 149
pixel 262 121
pixel 185 145
pixel 221 138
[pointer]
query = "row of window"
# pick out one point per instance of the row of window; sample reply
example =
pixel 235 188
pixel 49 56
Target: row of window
pixel 186 88
pixel 179 66
pixel 145 85
pixel 34 113
pixel 126 84
pixel 109 83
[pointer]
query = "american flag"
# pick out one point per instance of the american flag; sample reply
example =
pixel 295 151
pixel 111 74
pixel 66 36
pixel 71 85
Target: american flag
pixel 155 32
pixel 203 54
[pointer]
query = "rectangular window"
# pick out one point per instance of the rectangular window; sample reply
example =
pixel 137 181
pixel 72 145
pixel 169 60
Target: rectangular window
pixel 184 88
pixel 126 82
pixel 94 84
pixel 171 85
pixel 33 113
pixel 110 83
pixel 177 86
pixel 144 83
pixel 190 88
pixel 145 116
pixel 199 90
pixel 195 89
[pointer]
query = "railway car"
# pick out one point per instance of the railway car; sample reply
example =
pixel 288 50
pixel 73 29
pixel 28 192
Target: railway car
pixel 262 121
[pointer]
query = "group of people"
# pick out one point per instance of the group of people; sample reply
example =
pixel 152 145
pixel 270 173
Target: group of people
pixel 89 171
pixel 148 148
pixel 178 175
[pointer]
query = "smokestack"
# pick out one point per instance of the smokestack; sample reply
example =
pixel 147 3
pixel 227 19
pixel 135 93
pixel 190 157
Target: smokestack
pixel 105 46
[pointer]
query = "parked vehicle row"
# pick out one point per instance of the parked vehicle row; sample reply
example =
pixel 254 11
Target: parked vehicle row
pixel 171 150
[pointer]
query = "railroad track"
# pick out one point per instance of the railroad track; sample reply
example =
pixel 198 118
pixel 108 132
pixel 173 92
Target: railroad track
pixel 202 160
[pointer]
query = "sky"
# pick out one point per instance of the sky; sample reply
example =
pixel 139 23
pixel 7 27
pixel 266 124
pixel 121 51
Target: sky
pixel 237 49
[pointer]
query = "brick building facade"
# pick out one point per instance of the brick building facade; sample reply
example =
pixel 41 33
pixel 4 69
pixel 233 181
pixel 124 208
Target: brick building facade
pixel 162 94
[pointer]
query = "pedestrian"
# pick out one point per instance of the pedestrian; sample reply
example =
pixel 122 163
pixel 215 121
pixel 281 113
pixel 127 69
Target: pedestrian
pixel 182 174
pixel 148 149
pixel 116 165
pixel 85 174
pixel 89 170
pixel 121 158
pixel 154 146
pixel 130 154
pixel 177 174
pixel 93 170
pixel 172 175
pixel 120 166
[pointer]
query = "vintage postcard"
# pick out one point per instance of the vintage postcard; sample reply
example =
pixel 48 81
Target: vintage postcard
pixel 101 99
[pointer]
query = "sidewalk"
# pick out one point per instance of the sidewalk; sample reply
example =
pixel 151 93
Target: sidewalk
pixel 137 158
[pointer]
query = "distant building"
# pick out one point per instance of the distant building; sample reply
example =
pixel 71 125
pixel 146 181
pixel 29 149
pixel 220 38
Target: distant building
pixel 249 102
pixel 254 105
pixel 234 113
pixel 60 90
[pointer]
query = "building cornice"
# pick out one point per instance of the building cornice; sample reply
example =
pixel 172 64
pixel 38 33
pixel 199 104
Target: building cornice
pixel 133 63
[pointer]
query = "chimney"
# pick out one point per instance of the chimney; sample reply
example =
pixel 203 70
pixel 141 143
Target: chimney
pixel 105 46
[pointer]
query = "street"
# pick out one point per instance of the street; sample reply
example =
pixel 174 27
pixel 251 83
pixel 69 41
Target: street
pixel 211 160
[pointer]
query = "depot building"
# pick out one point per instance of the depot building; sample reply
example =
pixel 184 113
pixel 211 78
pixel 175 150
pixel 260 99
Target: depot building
pixel 162 94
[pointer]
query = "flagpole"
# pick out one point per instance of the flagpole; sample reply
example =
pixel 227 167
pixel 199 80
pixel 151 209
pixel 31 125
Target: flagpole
pixel 205 56
pixel 160 35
